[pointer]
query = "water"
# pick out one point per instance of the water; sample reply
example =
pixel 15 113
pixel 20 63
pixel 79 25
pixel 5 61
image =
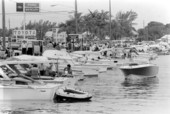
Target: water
pixel 111 95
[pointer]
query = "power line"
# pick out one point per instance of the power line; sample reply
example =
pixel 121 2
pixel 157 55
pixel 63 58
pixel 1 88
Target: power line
pixel 35 13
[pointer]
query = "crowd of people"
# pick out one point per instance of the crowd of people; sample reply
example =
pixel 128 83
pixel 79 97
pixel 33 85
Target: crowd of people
pixel 35 71
pixel 31 48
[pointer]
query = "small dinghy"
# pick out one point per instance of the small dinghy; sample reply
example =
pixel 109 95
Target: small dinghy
pixel 66 94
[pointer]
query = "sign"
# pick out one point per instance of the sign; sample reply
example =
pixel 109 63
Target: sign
pixel 27 7
pixel 19 7
pixel 61 37
pixel 54 33
pixel 32 7
pixel 27 32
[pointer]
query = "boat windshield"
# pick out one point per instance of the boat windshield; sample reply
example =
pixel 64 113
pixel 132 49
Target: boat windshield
pixel 19 68
pixel 6 70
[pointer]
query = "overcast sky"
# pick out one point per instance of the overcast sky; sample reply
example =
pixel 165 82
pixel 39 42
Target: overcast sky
pixel 147 10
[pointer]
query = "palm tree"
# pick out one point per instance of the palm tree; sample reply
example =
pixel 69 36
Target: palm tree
pixel 125 22
pixel 70 27
pixel 95 22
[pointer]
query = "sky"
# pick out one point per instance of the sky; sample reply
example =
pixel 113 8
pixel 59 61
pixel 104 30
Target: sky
pixel 147 10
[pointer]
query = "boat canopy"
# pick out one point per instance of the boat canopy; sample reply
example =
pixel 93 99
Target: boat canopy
pixel 27 58
pixel 56 54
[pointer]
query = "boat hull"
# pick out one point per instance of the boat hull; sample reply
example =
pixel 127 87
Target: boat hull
pixel 71 95
pixel 140 70
pixel 60 99
pixel 27 92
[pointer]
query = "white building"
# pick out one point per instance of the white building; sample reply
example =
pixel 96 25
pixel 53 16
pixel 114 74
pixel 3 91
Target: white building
pixel 166 38
pixel 56 36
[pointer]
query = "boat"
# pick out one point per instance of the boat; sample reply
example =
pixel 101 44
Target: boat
pixel 22 67
pixel 65 94
pixel 20 87
pixel 138 69
pixel 110 56
pixel 27 92
pixel 90 57
pixel 64 58
pixel 62 61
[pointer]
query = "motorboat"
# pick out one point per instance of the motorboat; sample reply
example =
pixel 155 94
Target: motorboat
pixel 138 69
pixel 22 67
pixel 27 92
pixel 19 87
pixel 110 56
pixel 65 94
pixel 27 59
pixel 64 59
pixel 90 57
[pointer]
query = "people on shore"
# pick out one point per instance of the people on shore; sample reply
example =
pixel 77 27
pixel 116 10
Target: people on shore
pixel 24 47
pixel 30 48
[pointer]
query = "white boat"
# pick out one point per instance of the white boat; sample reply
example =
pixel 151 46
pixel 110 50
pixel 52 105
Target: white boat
pixel 64 59
pixel 27 92
pixel 142 70
pixel 97 57
pixel 22 88
pixel 21 67
pixel 55 54
pixel 66 94
pixel 93 58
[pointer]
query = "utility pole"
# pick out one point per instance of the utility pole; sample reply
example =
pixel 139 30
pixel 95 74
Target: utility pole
pixel 9 24
pixel 24 21
pixel 76 16
pixel 3 22
pixel 110 27
pixel 9 38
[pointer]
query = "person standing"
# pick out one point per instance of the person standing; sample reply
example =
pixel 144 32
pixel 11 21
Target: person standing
pixel 30 48
pixel 41 48
pixel 24 47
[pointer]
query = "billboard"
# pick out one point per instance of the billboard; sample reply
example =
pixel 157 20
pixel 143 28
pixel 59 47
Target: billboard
pixel 27 7
pixel 19 7
pixel 27 32
pixel 32 7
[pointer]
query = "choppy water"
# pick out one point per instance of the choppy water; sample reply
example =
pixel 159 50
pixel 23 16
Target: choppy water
pixel 111 95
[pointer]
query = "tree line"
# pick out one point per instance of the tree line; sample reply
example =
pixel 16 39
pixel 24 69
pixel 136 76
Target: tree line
pixel 154 30
pixel 97 23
